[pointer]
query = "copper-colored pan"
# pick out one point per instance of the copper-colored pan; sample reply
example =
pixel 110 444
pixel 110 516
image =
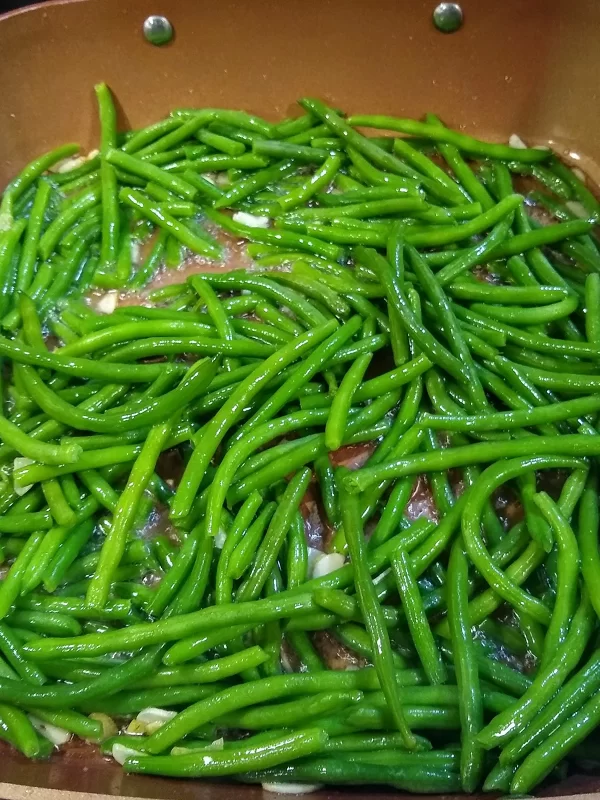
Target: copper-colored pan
pixel 525 66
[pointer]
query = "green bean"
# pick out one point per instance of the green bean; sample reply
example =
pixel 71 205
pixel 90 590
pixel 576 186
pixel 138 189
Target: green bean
pixel 228 762
pixel 450 327
pixel 236 534
pixel 550 234
pixel 169 629
pixel 189 344
pixel 25 523
pixel 321 178
pixel 370 175
pixel 326 479
pixel 169 135
pixel 188 649
pixel 271 148
pixel 470 706
pixel 427 167
pixel 152 132
pixel 392 513
pixel 540 762
pixel 203 245
pixel 309 449
pixel 253 183
pixel 496 371
pixel 17 728
pixel 567 571
pixel 51 543
pixel 506 420
pixel 206 189
pixel 398 336
pixel 374 208
pixel 430 346
pixel 79 367
pixel 337 602
pixel 301 307
pixel 68 695
pixel 114 545
pixel 66 554
pixel 338 414
pixel 12 582
pixel 517 315
pixel 362 743
pixel 489 293
pixel 30 174
pixel 314 288
pixel 357 639
pixel 592 307
pixel 269 314
pixel 339 771
pixel 192 592
pixel 220 161
pixel 215 430
pixel 10 646
pixel 291 241
pixel 565 703
pixel 255 692
pixel 588 542
pixel 128 330
pixel 499 778
pixel 176 575
pixel 71 721
pixel 297 553
pixel 308 657
pixel 44 624
pixel 150 172
pixel 219 142
pixel 240 451
pixel 301 711
pixel 60 509
pixel 372 611
pixel 14 437
pixel 209 672
pixel 362 195
pixel 274 537
pixel 108 177
pixel 292 126
pixel 506 725
pixel 9 257
pixel 417 620
pixel 32 236
pixel 75 607
pixel 481 490
pixel 461 169
pixel 198 377
pixel 438 133
pixel 472 454
pixel 502 675
pixel 99 488
pixel 132 702
pixel 216 313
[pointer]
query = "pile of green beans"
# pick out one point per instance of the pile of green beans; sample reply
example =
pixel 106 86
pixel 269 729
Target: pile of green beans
pixel 374 447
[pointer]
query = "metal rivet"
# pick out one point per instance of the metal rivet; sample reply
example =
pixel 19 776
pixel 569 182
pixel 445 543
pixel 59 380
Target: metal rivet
pixel 158 30
pixel 448 17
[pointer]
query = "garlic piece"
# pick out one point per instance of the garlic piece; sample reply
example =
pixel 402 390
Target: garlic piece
pixel 251 220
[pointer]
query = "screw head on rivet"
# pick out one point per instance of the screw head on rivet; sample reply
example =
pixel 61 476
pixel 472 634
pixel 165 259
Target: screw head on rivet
pixel 448 17
pixel 158 30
